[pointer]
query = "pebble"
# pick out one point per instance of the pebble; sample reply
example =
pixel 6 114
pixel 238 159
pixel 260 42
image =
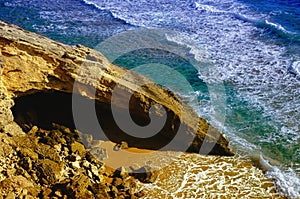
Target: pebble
pixel 77 147
pixel 94 170
pixel 90 174
pixel 76 165
pixel 114 189
pixel 117 181
pixel 57 147
pixel 86 164
pixel 122 145
pixel 58 193
pixel 33 130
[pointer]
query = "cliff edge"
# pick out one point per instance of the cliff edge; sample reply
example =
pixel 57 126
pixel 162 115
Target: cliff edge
pixel 33 64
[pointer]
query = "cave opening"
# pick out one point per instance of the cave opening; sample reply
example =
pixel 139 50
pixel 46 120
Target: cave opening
pixel 43 109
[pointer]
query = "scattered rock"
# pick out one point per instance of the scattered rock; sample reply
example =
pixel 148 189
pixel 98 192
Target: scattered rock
pixel 99 153
pixel 13 186
pixel 121 173
pixel 116 147
pixel 61 170
pixel 57 136
pixel 79 148
pixel 27 152
pixel 47 151
pixel 58 194
pixel 122 145
pixel 47 171
pixel 100 191
pixel 117 181
pixel 33 130
pixel 144 174
pixel 26 163
pixel 80 186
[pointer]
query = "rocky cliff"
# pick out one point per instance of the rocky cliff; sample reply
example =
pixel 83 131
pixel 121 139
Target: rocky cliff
pixel 33 64
pixel 48 151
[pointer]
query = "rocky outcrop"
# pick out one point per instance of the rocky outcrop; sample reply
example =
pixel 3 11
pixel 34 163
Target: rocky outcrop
pixel 43 153
pixel 34 64
pixel 55 164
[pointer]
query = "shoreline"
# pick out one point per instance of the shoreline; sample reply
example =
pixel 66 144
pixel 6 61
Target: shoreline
pixel 34 64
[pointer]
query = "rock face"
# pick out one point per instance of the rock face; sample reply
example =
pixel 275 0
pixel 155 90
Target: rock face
pixel 33 64
pixel 54 163
pixel 45 154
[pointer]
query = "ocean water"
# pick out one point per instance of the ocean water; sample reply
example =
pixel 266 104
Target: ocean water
pixel 254 47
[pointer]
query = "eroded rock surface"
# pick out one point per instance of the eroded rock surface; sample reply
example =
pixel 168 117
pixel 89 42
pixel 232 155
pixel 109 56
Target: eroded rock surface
pixel 32 64
pixel 55 163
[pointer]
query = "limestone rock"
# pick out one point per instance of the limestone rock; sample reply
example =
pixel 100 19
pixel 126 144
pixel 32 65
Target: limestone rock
pixel 32 64
pixel 122 145
pixel 47 171
pixel 77 147
pixel 51 173
pixel 16 186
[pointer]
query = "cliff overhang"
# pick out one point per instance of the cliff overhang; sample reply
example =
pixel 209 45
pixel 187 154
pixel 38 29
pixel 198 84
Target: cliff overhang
pixel 42 77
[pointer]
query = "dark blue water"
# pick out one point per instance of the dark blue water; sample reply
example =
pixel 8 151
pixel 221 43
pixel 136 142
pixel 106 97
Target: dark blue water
pixel 281 22
pixel 253 46
pixel 71 21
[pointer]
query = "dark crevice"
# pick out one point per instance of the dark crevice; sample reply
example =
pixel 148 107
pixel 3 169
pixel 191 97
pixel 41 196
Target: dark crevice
pixel 42 109
pixel 45 108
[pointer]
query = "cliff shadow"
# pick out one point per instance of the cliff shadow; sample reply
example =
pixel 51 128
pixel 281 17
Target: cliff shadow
pixel 43 109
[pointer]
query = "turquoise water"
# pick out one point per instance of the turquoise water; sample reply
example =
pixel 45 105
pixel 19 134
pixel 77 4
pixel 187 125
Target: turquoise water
pixel 253 46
